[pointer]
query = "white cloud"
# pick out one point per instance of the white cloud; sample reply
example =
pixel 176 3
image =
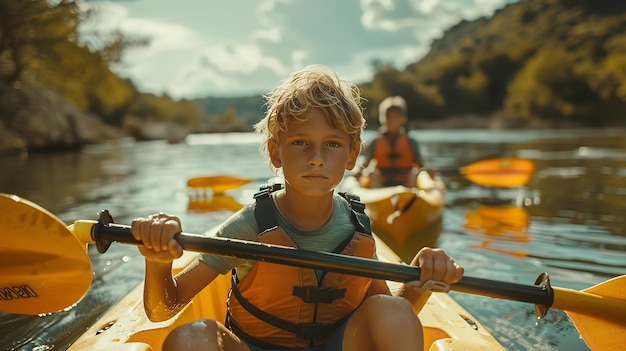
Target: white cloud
pixel 229 48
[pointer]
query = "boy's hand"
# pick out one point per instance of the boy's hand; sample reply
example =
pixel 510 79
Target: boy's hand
pixel 157 233
pixel 436 265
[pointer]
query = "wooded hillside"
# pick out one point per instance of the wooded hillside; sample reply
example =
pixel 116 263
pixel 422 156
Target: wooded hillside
pixel 51 82
pixel 535 63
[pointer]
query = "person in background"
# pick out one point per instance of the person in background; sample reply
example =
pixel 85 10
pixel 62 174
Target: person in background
pixel 393 158
pixel 312 135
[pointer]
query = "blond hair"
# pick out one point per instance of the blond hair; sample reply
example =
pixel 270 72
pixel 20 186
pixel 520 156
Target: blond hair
pixel 314 86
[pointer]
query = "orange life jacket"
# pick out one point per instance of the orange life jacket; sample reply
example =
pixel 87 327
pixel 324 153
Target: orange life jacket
pixel 304 310
pixel 394 161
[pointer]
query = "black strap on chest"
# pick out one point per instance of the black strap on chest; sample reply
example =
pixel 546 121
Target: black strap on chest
pixel 318 294
pixel 360 220
pixel 266 215
pixel 304 331
pixel 265 211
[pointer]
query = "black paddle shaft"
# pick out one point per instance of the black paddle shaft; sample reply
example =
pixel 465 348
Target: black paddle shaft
pixel 105 232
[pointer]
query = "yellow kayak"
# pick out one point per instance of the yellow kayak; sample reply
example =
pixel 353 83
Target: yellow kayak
pixel 399 211
pixel 33 275
pixel 447 326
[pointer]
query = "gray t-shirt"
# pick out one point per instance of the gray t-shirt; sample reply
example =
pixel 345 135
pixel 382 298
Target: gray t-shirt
pixel 242 225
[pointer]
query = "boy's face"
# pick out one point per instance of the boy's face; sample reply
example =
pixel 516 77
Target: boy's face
pixel 396 118
pixel 313 154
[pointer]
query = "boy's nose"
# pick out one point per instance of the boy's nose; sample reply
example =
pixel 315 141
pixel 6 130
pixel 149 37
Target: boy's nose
pixel 317 156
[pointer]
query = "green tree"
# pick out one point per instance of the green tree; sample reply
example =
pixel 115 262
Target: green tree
pixel 550 87
pixel 30 30
pixel 615 68
pixel 41 39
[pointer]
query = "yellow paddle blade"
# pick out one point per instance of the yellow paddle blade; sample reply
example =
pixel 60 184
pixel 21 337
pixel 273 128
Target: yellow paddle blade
pixel 599 313
pixel 43 268
pixel 500 172
pixel 214 204
pixel 218 184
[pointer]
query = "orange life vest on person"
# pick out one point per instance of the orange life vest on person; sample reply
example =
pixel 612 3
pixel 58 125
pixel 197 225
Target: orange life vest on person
pixel 393 160
pixel 305 310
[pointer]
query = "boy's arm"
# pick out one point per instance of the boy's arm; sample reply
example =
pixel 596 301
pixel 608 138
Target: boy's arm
pixel 417 155
pixel 434 265
pixel 416 297
pixel 164 295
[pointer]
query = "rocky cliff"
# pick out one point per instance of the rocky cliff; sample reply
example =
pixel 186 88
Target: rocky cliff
pixel 34 117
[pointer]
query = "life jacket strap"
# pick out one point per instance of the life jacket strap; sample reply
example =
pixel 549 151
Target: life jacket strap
pixel 394 171
pixel 304 331
pixel 265 211
pixel 354 201
pixel 317 294
pixel 230 323
pixel 360 220
pixel 313 331
pixel 393 155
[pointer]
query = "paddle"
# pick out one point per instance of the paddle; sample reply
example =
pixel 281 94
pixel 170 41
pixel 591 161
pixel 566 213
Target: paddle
pixel 203 188
pixel 600 308
pixel 494 172
pixel 599 312
pixel 218 184
pixel 499 172
pixel 43 268
pixel 213 204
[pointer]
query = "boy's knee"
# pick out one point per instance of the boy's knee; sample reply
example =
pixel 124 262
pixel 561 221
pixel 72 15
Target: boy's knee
pixel 393 308
pixel 386 303
pixel 389 322
pixel 201 332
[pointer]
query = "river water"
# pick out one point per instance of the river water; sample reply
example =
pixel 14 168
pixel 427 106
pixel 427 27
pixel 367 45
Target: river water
pixel 568 220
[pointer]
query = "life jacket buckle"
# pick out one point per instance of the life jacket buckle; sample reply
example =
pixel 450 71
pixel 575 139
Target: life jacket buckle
pixel 354 201
pixel 266 189
pixel 316 294
pixel 394 155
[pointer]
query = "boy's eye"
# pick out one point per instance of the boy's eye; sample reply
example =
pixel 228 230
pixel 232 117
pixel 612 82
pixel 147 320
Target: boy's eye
pixel 298 142
pixel 334 144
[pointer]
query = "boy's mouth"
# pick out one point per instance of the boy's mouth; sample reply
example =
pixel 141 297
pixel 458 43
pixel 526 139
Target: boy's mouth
pixel 315 176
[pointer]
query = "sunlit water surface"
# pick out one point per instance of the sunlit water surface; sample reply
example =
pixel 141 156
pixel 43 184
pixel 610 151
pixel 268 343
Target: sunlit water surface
pixel 568 220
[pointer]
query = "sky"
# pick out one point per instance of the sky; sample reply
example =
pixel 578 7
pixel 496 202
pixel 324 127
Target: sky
pixel 231 48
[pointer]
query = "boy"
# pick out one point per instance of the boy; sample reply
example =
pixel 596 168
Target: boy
pixel 312 136
pixel 393 158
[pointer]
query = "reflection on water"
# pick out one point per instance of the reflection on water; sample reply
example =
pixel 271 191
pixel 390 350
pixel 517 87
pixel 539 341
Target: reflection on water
pixel 504 229
pixel 568 220
pixel 499 222
pixel 213 203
